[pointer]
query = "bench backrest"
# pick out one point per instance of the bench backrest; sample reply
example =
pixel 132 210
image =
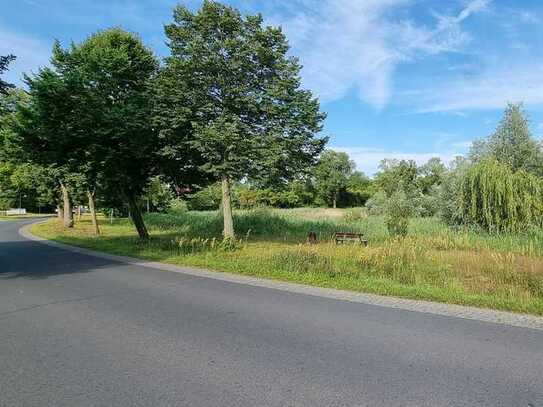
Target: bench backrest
pixel 347 234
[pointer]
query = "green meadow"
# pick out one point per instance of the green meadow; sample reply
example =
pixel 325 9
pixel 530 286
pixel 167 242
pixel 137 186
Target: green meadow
pixel 434 262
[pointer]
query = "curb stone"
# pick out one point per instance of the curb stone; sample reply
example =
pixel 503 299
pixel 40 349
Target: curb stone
pixel 428 307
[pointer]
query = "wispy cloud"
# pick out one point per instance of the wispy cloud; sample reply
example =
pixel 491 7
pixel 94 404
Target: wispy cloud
pixel 471 8
pixel 357 45
pixel 509 65
pixel 491 89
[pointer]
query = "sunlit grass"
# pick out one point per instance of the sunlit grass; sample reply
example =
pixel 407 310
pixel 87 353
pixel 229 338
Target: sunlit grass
pixel 434 262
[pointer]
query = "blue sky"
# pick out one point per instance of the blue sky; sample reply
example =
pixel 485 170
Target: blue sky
pixel 399 78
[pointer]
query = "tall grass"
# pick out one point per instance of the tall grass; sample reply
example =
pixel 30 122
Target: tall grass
pixel 288 226
pixel 434 262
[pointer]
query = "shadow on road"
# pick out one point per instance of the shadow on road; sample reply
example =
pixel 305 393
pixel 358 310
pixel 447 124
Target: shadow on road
pixel 33 260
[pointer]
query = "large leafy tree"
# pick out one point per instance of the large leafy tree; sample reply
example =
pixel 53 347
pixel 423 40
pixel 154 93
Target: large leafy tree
pixel 359 188
pixel 397 175
pixel 39 136
pixel 230 92
pixel 26 185
pixel 499 199
pixel 8 106
pixel 4 64
pixel 332 174
pixel 20 181
pixel 90 114
pixel 512 143
pixel 431 174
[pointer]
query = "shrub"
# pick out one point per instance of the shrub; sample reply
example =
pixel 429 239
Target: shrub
pixel 207 199
pixel 450 192
pixel 177 207
pixel 398 210
pixel 376 205
pixel 430 203
pixel 249 198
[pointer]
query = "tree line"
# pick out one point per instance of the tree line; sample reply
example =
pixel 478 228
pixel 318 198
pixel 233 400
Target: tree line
pixel 225 105
pixel 497 186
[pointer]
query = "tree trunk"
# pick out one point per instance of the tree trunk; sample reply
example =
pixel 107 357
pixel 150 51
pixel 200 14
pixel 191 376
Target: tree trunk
pixel 334 200
pixel 60 213
pixel 67 206
pixel 227 209
pixel 92 208
pixel 137 218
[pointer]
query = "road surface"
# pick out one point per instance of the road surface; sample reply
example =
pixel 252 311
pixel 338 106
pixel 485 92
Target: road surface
pixel 81 331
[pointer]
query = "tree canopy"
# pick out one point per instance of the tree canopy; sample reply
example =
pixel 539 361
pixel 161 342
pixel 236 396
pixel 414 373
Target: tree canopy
pixel 4 65
pixel 512 143
pixel 397 175
pixel 332 175
pixel 231 86
pixel 499 199
pixel 90 114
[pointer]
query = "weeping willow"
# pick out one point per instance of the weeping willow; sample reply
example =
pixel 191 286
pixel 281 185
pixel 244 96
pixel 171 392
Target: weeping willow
pixel 500 200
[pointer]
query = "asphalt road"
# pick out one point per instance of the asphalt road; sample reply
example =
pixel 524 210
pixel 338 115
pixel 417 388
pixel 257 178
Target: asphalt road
pixel 82 331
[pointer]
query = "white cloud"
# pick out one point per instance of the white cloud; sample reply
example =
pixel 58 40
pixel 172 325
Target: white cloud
pixel 356 45
pixel 471 8
pixel 31 54
pixel 367 159
pixel 491 89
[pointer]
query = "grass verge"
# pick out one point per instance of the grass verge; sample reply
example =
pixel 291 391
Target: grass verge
pixel 434 262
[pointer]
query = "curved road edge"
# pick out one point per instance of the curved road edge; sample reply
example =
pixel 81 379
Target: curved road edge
pixel 448 310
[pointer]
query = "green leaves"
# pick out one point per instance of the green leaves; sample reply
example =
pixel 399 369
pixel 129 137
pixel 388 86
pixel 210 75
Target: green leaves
pixel 503 190
pixel 4 64
pixel 499 199
pixel 398 209
pixel 230 85
pixel 332 175
pixel 512 143
pixel 229 100
pixel 90 112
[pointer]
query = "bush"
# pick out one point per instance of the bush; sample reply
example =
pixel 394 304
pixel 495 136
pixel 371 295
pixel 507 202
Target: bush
pixel 398 210
pixel 450 191
pixel 177 207
pixel 249 198
pixel 429 204
pixel 376 205
pixel 207 199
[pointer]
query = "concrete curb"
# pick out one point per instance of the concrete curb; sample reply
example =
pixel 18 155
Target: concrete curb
pixel 448 310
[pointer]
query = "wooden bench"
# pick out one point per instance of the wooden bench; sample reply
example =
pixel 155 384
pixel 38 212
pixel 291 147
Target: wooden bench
pixel 343 237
